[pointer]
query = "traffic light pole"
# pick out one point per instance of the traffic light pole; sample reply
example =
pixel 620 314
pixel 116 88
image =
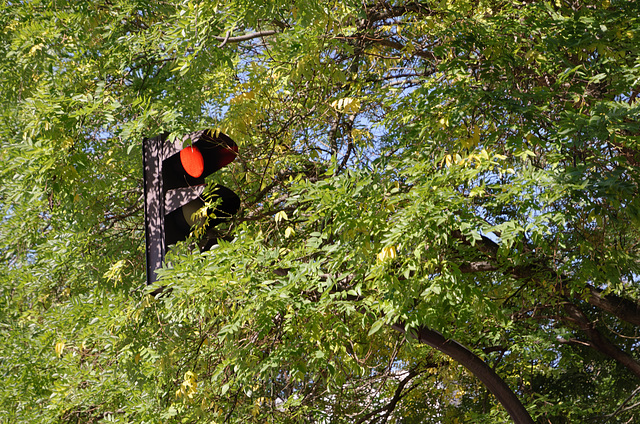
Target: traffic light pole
pixel 153 204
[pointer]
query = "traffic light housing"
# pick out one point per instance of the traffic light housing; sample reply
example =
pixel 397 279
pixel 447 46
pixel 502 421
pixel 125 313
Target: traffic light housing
pixel 174 182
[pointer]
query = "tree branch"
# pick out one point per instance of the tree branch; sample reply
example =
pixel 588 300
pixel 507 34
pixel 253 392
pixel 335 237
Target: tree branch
pixel 227 39
pixel 397 396
pixel 494 383
pixel 480 266
pixel 598 341
pixel 476 366
pixel 622 408
pixel 624 309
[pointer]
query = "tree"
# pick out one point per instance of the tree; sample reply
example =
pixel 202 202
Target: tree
pixel 454 174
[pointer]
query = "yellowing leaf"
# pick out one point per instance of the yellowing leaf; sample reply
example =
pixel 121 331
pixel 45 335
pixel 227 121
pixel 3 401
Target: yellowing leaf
pixel 447 160
pixel 243 97
pixel 387 253
pixel 35 48
pixel 476 191
pixel 346 105
pixel 282 215
pixel 59 347
pixel 289 232
pixel 475 135
pixel 361 135
pixel 189 386
pixel 215 133
pixel 116 271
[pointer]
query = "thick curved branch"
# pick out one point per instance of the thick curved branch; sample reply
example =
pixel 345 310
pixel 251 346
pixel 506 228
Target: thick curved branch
pixel 495 384
pixel 391 44
pixel 476 366
pixel 624 309
pixel 598 341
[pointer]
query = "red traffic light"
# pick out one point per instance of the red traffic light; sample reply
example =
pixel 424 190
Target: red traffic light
pixel 192 161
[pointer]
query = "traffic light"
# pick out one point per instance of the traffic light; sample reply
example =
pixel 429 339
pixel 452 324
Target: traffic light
pixel 174 181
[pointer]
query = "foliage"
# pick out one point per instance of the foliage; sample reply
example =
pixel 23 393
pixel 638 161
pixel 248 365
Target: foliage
pixel 465 167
